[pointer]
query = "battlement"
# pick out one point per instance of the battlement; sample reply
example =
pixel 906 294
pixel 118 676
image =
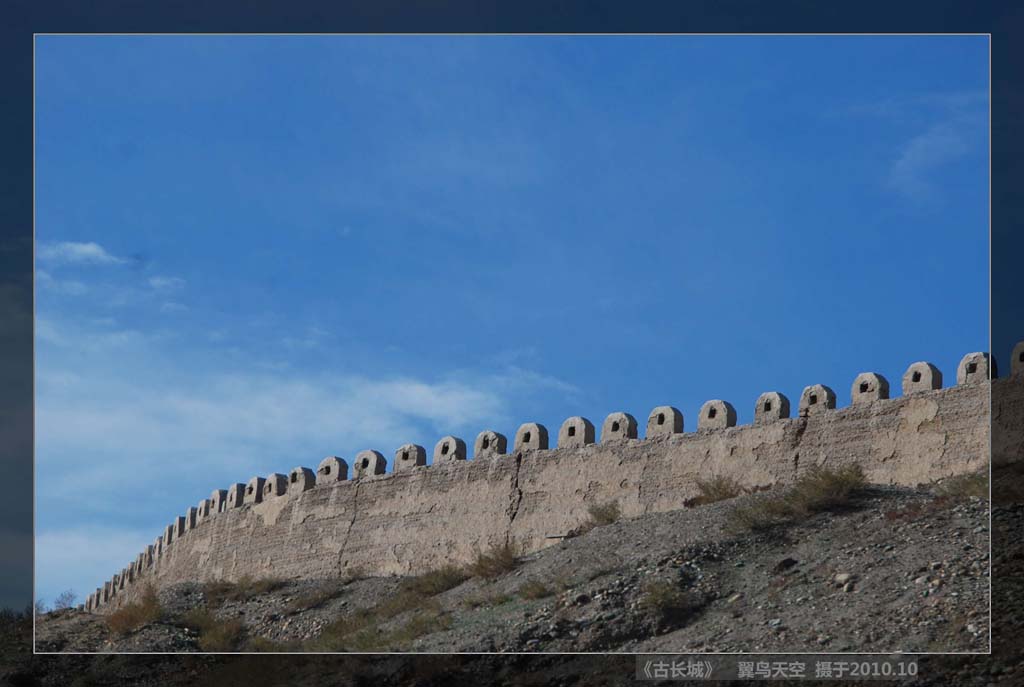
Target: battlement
pixel 318 523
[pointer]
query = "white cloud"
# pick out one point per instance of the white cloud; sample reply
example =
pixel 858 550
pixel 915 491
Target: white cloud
pixel 113 417
pixel 173 306
pixel 101 339
pixel 71 287
pixel 924 153
pixel 70 252
pixel 166 283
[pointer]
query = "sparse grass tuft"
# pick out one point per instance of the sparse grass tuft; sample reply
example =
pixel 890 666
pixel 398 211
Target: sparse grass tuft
pixel 494 563
pixel 245 588
pixel 963 487
pixel 214 634
pixel 363 630
pixel 668 603
pixel 599 514
pixel 316 597
pixel 436 581
pixel 819 489
pixel 604 513
pixel 535 589
pixel 486 600
pixel 718 488
pixel 133 616
pixel 223 636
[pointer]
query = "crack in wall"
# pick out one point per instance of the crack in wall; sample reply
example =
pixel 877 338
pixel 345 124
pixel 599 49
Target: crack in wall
pixel 515 498
pixel 351 524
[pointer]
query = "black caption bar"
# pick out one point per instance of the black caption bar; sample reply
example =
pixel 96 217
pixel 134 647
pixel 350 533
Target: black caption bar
pixel 774 667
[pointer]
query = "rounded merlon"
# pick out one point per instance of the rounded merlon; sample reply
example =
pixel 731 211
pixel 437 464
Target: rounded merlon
pixel 190 518
pixel 771 406
pixel 817 398
pixel 236 496
pixel 300 479
pixel 202 510
pixel 975 368
pixel 868 387
pixel 716 414
pixel 448 449
pixel 218 501
pixel 331 469
pixel 664 420
pixel 254 491
pixel 409 456
pixel 368 463
pixel 921 376
pixel 274 485
pixel 1017 360
pixel 618 426
pixel 576 431
pixel 489 444
pixel 531 436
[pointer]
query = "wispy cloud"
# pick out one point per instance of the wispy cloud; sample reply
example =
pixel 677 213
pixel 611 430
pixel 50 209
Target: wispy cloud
pixel 102 338
pixel 947 126
pixel 71 287
pixel 173 307
pixel 166 283
pixel 924 153
pixel 66 252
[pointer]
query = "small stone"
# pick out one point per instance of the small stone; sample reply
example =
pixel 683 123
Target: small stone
pixel 785 564
pixel 843 578
pixel 848 587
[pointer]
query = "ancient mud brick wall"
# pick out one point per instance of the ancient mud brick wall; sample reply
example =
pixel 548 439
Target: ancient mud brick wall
pixel 417 517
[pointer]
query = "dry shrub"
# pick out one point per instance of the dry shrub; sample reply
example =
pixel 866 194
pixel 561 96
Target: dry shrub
pixel 962 487
pixel 817 490
pixel 214 634
pixel 219 591
pixel 668 603
pixel 718 488
pixel 486 600
pixel 604 513
pixel 436 581
pixel 363 631
pixel 134 615
pixel 535 589
pixel 494 563
pixel 598 515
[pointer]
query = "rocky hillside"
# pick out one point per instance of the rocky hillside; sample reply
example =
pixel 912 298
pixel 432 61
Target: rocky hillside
pixel 878 569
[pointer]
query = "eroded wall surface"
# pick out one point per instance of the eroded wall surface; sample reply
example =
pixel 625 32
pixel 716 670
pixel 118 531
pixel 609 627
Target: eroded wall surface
pixel 423 517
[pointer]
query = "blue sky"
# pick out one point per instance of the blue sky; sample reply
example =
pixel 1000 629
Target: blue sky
pixel 253 252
